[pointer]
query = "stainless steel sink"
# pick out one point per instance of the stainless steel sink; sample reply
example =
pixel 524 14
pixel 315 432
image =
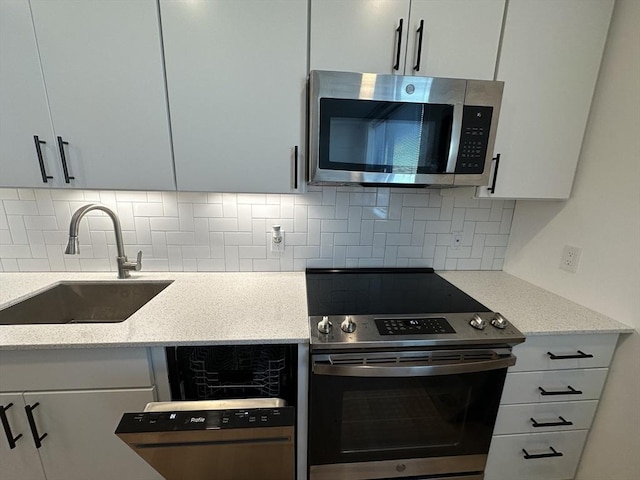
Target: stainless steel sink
pixel 83 302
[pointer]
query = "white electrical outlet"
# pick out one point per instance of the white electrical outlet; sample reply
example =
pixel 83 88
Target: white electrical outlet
pixel 456 240
pixel 277 239
pixel 570 258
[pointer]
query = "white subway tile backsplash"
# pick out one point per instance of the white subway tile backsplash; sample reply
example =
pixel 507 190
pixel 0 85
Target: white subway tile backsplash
pixel 9 265
pixel 386 226
pixel 17 229
pixel 5 237
pixel 438 226
pixel 192 231
pixel 20 207
pixel 201 229
pixel 165 224
pixel 34 265
pixel 313 231
pixel 207 210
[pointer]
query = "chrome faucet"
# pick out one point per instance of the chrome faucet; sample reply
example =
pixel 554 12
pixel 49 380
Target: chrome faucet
pixel 73 247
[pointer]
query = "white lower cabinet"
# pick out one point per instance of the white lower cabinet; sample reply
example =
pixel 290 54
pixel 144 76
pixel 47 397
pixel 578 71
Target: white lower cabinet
pixel 67 432
pixel 18 454
pixel 548 456
pixel 548 404
pixel 545 417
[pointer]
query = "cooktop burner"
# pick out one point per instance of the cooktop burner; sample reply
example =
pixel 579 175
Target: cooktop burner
pixel 398 307
pixel 365 291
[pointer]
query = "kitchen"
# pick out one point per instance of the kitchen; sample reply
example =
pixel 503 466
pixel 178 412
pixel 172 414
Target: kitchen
pixel 229 231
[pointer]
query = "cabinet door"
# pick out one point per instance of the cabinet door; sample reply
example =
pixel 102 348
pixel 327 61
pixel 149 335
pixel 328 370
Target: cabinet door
pixel 80 441
pixel 549 61
pixel 460 38
pixel 20 462
pixel 507 460
pixel 236 74
pixel 358 35
pixel 102 65
pixel 23 103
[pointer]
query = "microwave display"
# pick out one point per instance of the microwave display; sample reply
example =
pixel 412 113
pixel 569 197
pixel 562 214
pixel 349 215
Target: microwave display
pixel 386 137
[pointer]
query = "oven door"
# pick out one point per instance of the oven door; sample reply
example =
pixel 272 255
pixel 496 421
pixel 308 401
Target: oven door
pixel 404 414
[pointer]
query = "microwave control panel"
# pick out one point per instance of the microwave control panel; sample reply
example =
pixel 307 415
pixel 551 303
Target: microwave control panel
pixel 474 138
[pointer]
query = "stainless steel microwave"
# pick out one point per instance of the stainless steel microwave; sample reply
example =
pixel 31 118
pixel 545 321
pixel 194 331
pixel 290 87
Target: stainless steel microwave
pixel 372 129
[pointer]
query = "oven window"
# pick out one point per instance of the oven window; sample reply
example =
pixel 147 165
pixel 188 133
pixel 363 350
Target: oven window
pixel 354 419
pixel 383 420
pixel 386 137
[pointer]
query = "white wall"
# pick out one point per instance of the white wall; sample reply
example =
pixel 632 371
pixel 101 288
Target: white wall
pixel 602 217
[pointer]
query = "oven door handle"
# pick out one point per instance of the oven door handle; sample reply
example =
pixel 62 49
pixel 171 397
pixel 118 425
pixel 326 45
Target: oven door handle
pixel 400 370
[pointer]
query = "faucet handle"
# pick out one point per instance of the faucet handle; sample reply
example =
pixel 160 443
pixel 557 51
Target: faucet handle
pixel 138 264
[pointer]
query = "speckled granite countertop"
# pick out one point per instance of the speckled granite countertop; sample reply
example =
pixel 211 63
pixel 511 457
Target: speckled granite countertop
pixel 197 308
pixel 532 309
pixel 216 308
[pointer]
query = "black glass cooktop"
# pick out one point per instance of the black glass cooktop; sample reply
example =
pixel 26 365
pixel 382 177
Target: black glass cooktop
pixel 368 291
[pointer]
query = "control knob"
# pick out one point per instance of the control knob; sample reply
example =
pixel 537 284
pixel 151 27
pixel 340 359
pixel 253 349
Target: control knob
pixel 348 325
pixel 324 325
pixel 499 321
pixel 478 322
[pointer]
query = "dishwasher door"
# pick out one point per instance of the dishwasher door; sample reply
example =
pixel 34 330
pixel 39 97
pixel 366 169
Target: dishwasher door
pixel 200 440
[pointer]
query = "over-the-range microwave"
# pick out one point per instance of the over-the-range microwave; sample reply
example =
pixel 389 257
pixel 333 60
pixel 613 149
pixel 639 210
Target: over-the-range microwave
pixel 372 129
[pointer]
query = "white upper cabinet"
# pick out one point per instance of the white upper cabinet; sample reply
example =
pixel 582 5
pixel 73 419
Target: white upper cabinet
pixel 455 38
pixel 549 61
pixel 358 35
pixel 444 38
pixel 23 104
pixel 236 74
pixel 101 64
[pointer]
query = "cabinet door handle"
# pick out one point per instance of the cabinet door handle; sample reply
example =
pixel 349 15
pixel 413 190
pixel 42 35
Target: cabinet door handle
pixel 419 35
pixel 63 159
pixel 43 172
pixel 571 391
pixel 561 423
pixel 492 188
pixel 7 428
pixel 37 438
pixel 396 66
pixel 295 167
pixel 580 354
pixel 554 453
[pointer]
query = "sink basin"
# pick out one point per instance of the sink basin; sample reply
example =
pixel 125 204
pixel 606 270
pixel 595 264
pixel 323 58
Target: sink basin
pixel 83 302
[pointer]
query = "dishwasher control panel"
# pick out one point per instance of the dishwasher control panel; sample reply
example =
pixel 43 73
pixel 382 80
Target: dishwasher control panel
pixel 206 420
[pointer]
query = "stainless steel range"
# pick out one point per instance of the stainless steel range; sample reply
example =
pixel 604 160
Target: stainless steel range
pixel 406 375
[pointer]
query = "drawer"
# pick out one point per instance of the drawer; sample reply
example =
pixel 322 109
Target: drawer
pixel 546 352
pixel 23 370
pixel 507 460
pixel 545 417
pixel 527 387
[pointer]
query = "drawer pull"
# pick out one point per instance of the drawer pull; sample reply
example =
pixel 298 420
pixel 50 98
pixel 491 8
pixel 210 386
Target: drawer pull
pixel 571 391
pixel 37 438
pixel 7 428
pixel 561 423
pixel 580 354
pixel 554 453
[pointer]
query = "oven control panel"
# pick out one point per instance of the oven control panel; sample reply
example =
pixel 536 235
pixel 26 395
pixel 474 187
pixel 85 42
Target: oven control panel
pixel 413 326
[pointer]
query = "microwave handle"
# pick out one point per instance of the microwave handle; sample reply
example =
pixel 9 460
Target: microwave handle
pixel 411 370
pixel 492 188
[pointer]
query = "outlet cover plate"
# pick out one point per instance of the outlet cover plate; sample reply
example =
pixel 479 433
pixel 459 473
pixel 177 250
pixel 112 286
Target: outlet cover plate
pixel 570 258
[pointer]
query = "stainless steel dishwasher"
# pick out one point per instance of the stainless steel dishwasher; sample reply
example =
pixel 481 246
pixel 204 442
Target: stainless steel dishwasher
pixel 239 439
